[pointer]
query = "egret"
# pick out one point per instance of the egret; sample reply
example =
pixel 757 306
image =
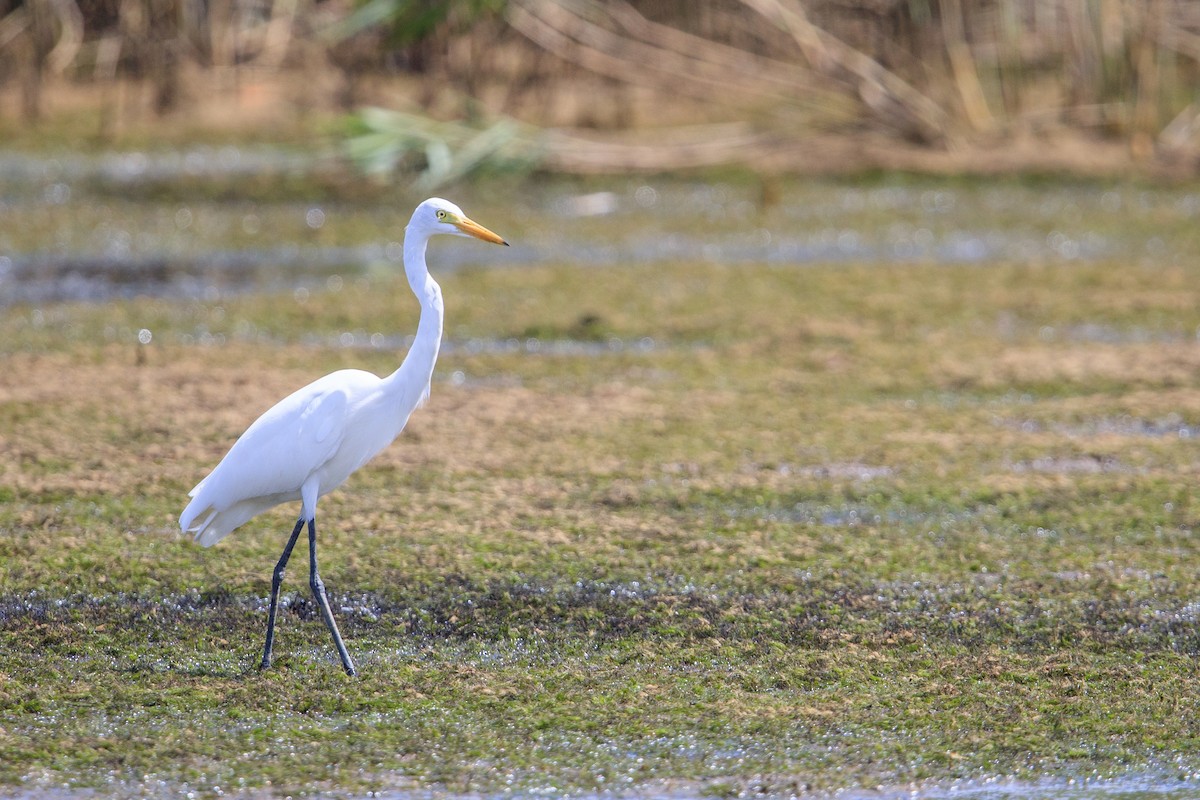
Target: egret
pixel 310 442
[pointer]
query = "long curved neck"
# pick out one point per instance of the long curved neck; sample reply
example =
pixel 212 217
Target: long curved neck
pixel 416 371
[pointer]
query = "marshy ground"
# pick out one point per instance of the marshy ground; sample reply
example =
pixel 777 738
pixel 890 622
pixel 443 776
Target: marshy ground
pixel 726 525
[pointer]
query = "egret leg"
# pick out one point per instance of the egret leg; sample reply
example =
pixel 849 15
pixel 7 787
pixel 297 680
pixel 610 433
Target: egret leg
pixel 276 581
pixel 318 590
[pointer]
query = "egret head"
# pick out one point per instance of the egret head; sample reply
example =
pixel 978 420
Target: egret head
pixel 436 215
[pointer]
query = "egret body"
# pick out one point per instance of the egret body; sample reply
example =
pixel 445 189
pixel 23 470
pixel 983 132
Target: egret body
pixel 311 441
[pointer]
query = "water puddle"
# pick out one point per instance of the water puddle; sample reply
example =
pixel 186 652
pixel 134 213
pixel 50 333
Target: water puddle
pixel 1129 788
pixel 22 172
pixel 856 515
pixel 1134 787
pixel 1070 465
pixel 1171 426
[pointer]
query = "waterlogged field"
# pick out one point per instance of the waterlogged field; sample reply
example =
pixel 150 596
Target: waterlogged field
pixel 746 522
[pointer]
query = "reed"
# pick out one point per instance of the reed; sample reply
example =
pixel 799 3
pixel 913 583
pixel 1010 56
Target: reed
pixel 942 75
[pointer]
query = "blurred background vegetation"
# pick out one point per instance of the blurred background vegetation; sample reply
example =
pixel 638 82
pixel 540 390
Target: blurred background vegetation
pixel 593 86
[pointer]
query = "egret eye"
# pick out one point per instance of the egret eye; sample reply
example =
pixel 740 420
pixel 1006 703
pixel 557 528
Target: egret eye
pixel 441 214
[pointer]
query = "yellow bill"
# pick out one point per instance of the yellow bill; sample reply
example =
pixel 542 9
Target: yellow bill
pixel 472 228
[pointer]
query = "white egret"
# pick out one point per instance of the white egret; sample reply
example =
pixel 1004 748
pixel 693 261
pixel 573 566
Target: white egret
pixel 310 442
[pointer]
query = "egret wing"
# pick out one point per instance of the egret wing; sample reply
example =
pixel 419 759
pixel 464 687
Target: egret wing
pixel 283 447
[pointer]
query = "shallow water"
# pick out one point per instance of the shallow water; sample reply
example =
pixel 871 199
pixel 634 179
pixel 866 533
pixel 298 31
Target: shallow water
pixel 1129 788
pixel 195 223
pixel 1142 787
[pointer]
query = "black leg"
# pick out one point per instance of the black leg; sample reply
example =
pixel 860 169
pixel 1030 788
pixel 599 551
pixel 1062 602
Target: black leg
pixel 276 581
pixel 318 590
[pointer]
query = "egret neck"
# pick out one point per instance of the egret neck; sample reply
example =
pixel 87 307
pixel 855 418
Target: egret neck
pixel 417 367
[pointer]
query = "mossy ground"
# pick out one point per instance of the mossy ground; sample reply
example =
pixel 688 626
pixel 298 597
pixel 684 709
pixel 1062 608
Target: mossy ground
pixel 822 526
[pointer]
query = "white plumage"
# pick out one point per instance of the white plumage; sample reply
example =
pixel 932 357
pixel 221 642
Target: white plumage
pixel 310 442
